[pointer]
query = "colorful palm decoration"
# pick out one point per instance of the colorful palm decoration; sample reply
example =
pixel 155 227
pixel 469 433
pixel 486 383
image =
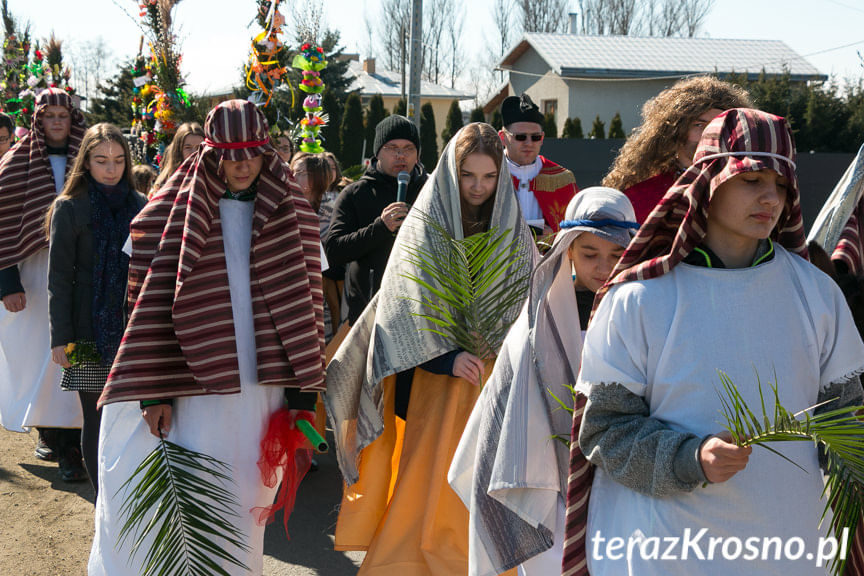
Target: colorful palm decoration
pixel 310 60
pixel 264 74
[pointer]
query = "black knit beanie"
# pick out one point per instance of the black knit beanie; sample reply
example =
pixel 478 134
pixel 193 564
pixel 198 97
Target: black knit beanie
pixel 395 127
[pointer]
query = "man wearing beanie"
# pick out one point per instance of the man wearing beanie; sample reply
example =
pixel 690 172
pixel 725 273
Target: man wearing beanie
pixel 366 215
pixel 543 187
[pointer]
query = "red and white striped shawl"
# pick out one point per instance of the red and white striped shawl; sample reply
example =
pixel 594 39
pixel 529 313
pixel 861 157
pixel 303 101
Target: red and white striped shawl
pixel 27 182
pixel 849 249
pixel 180 338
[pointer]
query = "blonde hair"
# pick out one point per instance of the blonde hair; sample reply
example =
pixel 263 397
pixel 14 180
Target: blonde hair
pixel 76 183
pixel 173 156
pixel 652 147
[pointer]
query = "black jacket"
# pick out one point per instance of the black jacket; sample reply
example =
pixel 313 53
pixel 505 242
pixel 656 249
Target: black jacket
pixel 358 237
pixel 70 270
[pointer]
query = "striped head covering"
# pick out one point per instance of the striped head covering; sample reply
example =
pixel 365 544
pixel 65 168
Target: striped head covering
pixel 180 338
pixel 850 249
pixel 737 141
pixel 27 186
pixel 237 134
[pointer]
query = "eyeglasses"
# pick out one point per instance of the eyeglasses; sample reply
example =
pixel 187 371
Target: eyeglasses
pixel 400 152
pixel 5 139
pixel 535 137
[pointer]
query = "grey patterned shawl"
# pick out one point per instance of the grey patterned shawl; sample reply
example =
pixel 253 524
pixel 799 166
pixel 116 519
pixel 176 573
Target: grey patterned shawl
pixel 388 337
pixel 839 206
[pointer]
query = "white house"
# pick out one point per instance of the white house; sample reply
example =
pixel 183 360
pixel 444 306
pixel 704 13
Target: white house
pixel 580 76
pixel 370 79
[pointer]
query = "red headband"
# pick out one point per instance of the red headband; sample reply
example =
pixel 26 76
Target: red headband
pixel 235 145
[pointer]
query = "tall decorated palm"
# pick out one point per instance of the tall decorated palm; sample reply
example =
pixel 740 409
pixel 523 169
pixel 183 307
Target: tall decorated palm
pixel 45 70
pixel 265 71
pixel 161 102
pixel 16 53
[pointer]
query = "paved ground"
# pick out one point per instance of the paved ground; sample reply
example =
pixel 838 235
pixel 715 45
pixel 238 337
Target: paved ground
pixel 46 525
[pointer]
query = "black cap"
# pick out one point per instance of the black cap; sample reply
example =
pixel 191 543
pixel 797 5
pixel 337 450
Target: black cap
pixel 395 127
pixel 520 109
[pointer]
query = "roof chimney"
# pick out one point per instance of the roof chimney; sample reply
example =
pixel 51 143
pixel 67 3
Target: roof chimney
pixel 369 65
pixel 574 22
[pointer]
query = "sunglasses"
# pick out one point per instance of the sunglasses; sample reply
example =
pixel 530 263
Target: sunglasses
pixel 536 137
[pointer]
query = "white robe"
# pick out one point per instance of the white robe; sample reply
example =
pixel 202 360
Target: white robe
pixel 227 427
pixel 30 393
pixel 665 339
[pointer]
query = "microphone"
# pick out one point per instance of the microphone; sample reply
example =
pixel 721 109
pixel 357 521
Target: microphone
pixel 402 192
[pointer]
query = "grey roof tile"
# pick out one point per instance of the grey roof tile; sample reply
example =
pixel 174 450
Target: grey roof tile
pixel 388 83
pixel 635 56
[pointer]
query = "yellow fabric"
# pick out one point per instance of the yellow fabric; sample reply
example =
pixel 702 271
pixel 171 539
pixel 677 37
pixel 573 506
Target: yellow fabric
pixel 552 182
pixel 411 522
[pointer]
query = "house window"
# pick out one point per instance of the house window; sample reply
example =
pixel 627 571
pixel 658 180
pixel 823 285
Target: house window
pixel 550 107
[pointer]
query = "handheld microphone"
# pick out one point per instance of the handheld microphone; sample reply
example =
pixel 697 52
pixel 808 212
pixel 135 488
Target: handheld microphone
pixel 402 191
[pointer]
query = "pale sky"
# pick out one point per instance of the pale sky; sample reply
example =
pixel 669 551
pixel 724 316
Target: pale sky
pixel 215 34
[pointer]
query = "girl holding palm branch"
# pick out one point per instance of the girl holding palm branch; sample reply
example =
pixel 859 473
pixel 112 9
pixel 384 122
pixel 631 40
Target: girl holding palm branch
pixel 400 392
pixel 716 279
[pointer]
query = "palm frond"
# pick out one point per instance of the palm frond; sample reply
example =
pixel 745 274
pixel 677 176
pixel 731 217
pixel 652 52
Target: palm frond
pixel 184 499
pixel 465 295
pixel 838 432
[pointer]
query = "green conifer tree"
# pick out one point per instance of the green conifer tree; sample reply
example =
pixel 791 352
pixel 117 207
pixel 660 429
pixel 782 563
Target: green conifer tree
pixel 352 133
pixel 616 128
pixel 550 126
pixel 374 114
pixel 453 123
pixel 428 137
pixel 598 129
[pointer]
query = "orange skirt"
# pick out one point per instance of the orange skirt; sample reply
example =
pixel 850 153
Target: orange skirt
pixel 402 511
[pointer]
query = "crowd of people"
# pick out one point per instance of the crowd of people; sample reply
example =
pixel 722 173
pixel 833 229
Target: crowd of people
pixel 244 277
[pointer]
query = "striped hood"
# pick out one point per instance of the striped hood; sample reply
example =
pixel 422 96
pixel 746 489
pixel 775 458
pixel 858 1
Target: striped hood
pixel 180 338
pixel 737 141
pixel 27 186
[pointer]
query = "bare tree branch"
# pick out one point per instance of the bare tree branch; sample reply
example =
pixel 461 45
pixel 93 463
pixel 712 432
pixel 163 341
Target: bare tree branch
pixel 543 15
pixel 693 14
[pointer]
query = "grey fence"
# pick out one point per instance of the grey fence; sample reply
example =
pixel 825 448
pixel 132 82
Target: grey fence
pixel 589 160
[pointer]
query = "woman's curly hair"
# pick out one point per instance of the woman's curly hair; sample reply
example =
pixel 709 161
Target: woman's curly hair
pixel 652 147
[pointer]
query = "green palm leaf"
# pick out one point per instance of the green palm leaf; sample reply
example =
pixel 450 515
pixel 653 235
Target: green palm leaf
pixel 465 296
pixel 182 498
pixel 839 432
